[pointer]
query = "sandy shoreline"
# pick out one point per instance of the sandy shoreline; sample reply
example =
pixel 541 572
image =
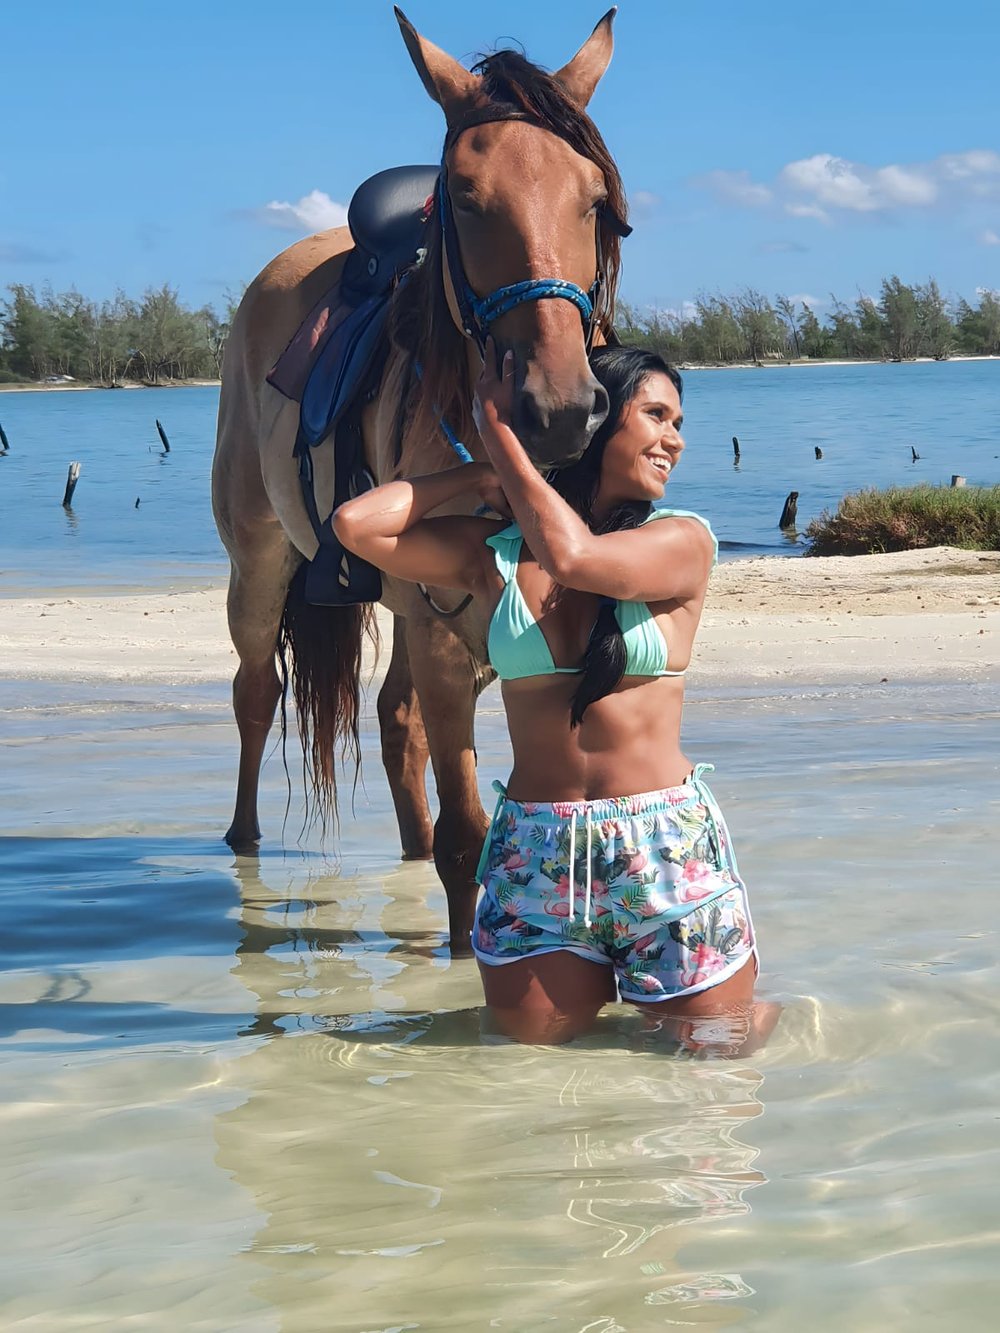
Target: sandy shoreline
pixel 913 616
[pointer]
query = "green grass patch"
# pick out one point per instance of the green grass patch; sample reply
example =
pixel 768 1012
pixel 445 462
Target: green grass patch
pixel 909 518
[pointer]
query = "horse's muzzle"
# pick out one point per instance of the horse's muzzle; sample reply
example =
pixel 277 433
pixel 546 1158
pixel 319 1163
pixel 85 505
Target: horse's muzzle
pixel 556 430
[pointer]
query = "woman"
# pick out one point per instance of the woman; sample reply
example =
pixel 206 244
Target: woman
pixel 596 598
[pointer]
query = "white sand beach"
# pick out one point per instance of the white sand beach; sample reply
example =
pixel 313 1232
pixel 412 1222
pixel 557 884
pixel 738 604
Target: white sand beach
pixel 911 616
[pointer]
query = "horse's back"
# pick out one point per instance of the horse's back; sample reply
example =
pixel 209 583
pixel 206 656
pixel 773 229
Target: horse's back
pixel 276 303
pixel 254 478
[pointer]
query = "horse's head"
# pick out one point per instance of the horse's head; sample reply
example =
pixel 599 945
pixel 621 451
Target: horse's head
pixel 529 194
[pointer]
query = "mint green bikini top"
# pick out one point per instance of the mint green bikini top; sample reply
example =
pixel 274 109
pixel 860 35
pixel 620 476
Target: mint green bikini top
pixel 517 646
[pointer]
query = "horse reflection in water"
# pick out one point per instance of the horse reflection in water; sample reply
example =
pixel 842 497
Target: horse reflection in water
pixel 416 1167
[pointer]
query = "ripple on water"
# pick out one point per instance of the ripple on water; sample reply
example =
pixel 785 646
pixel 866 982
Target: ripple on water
pixel 348 1148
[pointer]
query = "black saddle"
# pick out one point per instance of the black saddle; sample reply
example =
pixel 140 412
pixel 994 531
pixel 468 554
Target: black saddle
pixel 386 218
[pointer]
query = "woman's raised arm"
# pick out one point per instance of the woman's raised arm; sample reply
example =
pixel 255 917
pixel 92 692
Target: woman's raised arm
pixel 667 561
pixel 389 527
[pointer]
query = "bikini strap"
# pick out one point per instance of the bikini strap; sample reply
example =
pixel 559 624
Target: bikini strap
pixel 686 513
pixel 506 547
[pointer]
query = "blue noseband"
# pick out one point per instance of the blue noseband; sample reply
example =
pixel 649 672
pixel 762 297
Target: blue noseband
pixel 489 308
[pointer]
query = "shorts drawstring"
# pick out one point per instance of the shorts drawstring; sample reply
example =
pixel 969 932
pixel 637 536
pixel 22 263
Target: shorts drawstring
pixel 696 780
pixel 725 854
pixel 589 877
pixel 501 791
pixel 572 868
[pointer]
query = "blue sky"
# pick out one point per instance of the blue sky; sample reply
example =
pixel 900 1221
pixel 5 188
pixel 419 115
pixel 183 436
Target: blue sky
pixel 795 148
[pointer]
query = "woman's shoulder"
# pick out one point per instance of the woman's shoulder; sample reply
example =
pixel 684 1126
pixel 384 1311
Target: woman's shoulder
pixel 686 513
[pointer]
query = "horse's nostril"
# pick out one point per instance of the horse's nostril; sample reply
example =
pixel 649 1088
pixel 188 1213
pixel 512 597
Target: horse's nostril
pixel 602 405
pixel 533 420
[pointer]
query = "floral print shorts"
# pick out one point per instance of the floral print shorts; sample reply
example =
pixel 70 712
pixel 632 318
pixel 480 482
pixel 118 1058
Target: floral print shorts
pixel 647 884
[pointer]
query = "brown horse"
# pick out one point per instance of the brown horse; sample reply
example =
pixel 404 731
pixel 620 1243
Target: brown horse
pixel 531 192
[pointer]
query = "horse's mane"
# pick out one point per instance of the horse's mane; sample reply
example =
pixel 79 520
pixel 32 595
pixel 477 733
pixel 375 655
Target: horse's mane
pixel 421 324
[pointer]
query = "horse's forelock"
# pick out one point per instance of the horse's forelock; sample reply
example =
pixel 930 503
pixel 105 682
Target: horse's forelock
pixel 508 76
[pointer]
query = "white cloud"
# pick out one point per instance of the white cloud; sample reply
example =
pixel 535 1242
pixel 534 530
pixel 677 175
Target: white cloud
pixel 830 180
pixel 644 201
pixel 836 183
pixel 813 302
pixel 807 211
pixel 903 185
pixel 737 187
pixel 315 211
pixel 989 237
pixel 976 162
pixel 823 185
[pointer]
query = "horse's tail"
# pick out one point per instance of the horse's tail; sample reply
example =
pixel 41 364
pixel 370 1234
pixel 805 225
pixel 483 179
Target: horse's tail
pixel 320 649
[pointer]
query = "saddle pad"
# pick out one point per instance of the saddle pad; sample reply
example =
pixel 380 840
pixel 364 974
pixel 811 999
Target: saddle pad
pixel 290 372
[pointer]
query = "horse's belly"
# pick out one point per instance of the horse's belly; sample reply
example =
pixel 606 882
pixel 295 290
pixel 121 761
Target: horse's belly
pixel 279 422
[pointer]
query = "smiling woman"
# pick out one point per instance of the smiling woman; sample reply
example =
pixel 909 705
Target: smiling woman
pixel 608 869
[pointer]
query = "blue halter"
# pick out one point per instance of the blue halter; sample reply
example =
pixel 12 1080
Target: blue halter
pixel 478 313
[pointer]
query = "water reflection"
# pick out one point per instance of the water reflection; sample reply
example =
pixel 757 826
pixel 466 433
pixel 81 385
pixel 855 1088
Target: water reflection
pixel 410 1170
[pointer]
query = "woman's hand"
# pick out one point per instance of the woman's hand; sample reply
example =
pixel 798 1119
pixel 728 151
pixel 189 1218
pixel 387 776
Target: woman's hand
pixel 491 493
pixel 494 400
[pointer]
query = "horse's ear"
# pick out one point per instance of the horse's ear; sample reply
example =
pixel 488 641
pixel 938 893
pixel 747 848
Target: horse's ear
pixel 447 82
pixel 581 75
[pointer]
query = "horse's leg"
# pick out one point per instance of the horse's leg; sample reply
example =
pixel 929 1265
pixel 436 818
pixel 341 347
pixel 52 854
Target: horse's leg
pixel 257 590
pixel 448 683
pixel 404 750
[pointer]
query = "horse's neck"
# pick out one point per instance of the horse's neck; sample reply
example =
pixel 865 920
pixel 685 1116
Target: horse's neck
pixel 399 440
pixel 406 434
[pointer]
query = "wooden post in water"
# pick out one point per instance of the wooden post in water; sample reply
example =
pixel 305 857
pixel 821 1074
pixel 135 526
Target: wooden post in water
pixel 819 451
pixel 957 480
pixel 736 450
pixel 163 437
pixel 71 479
pixel 3 439
pixel 787 519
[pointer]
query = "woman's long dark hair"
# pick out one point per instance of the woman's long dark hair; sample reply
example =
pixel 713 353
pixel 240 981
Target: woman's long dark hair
pixel 621 370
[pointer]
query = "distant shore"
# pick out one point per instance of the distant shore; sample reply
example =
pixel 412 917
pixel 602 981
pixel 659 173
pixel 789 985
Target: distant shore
pixel 913 616
pixel 78 386
pixel 770 364
pixel 784 363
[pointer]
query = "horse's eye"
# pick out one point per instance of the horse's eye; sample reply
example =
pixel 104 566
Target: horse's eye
pixel 468 208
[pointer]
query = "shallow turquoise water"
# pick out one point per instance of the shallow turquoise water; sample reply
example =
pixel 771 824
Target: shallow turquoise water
pixel 865 419
pixel 255 1094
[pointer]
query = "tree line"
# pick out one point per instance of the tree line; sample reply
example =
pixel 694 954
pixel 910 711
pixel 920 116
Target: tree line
pixel 158 338
pixel 151 341
pixel 902 323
